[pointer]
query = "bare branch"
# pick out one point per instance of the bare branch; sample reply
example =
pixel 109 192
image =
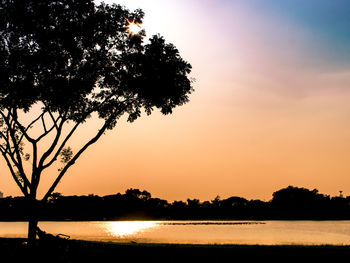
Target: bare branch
pixel 11 131
pixel 43 121
pixel 6 139
pixel 20 126
pixel 8 148
pixel 35 175
pixel 76 156
pixel 54 158
pixel 2 149
pixel 35 120
pixel 53 145
pixel 4 116
pixel 53 118
pixel 89 143
pixel 13 173
pixel 47 131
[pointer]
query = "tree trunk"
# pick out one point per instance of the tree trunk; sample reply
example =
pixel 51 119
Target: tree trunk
pixel 33 220
pixel 32 230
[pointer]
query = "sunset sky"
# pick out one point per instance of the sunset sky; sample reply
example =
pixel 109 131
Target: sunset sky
pixel 271 106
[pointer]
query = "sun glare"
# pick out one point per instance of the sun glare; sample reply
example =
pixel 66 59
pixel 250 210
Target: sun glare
pixel 129 227
pixel 133 28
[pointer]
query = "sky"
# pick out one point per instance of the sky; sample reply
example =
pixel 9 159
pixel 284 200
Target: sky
pixel 270 108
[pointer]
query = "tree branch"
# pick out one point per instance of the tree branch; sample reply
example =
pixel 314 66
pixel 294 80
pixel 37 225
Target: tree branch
pixel 43 121
pixel 47 131
pixel 53 145
pixel 54 158
pixel 35 120
pixel 41 165
pixel 76 156
pixel 6 139
pixel 21 128
pixel 35 174
pixel 89 143
pixel 7 148
pixel 22 187
pixel 53 119
pixel 11 131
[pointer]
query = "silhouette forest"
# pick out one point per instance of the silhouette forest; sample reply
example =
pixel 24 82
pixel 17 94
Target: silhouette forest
pixel 291 203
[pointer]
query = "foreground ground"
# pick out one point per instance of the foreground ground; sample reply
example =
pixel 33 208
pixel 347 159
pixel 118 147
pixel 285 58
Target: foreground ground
pixel 16 250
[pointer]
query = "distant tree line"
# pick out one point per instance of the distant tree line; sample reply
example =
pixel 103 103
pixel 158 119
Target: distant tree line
pixel 291 203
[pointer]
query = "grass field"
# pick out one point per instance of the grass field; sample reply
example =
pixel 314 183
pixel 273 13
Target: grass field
pixel 16 250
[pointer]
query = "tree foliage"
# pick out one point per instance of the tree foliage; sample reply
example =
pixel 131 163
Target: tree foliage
pixel 74 60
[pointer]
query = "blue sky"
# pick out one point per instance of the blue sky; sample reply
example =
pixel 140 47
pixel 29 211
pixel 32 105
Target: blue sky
pixel 328 22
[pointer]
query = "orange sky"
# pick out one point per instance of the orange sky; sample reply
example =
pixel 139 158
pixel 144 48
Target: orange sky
pixel 270 109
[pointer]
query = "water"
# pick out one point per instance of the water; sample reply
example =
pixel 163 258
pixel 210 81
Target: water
pixel 196 232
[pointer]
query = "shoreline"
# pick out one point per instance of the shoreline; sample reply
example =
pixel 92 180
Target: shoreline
pixel 97 251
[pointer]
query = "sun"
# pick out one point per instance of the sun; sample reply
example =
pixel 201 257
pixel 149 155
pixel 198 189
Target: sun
pixel 126 228
pixel 133 28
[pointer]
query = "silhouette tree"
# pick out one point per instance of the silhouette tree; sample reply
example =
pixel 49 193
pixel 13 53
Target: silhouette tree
pixel 65 62
pixel 137 194
pixel 294 202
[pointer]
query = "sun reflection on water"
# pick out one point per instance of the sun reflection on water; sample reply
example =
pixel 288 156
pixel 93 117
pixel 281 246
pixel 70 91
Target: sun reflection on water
pixel 126 228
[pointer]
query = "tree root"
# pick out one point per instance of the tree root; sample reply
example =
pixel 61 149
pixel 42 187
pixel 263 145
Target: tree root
pixel 46 236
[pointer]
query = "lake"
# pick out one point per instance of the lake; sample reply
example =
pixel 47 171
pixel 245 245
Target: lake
pixel 196 232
